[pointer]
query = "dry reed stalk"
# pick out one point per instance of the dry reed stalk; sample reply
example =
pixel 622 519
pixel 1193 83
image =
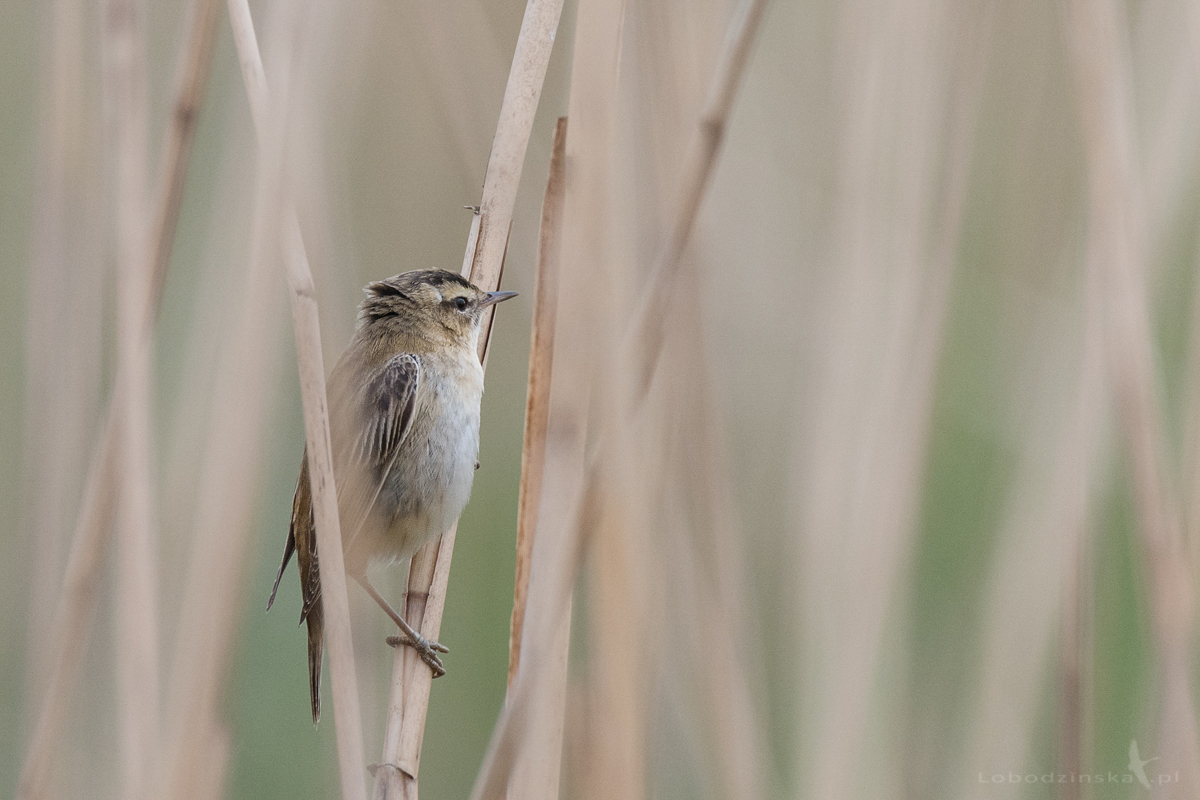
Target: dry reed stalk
pixel 597 48
pixel 136 621
pixel 347 715
pixel 689 562
pixel 1191 403
pixel 1074 664
pixel 338 637
pixel 1117 243
pixel 703 149
pixel 1191 434
pixel 228 479
pixel 507 158
pixel 73 615
pixel 76 603
pixel 537 402
pixel 617 623
pixel 621 560
pixel 403 733
pixel 1163 57
pixel 229 472
pixel 62 330
pixel 190 82
pixel 411 684
pixel 874 413
pixel 212 776
pixel 703 562
pixel 1042 578
pixel 536 775
pixel 563 520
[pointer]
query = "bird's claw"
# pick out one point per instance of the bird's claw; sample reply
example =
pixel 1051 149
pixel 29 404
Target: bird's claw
pixel 426 649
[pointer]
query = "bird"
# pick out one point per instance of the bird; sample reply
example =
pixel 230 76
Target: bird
pixel 404 428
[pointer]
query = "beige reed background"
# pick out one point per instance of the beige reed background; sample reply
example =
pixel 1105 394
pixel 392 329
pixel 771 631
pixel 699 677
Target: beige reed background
pixel 880 479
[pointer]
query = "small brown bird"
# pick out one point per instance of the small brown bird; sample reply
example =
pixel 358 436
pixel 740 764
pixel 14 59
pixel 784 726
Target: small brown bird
pixel 404 425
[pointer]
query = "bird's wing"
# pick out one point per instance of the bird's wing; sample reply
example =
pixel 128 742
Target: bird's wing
pixel 382 414
pixel 383 411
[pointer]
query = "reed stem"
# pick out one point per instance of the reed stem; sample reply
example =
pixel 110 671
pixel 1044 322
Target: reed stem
pixel 537 774
pixel 643 343
pixel 306 322
pixel 75 609
pixel 486 247
pixel 1117 266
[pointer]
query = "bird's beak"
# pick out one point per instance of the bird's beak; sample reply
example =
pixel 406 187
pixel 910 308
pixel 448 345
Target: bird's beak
pixel 495 297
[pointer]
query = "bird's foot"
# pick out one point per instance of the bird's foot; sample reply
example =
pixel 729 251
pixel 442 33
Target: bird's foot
pixel 426 649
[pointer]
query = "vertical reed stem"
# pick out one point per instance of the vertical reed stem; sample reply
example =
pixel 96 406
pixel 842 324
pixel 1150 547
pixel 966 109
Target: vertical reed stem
pixel 537 403
pixel 643 343
pixel 1116 264
pixel 89 543
pixel 487 244
pixel 137 553
pixel 334 600
pixel 537 774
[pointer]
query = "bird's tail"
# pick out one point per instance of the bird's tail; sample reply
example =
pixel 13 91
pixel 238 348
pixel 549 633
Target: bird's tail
pixel 316 632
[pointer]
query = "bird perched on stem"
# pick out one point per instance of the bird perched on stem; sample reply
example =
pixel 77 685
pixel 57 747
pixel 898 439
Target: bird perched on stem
pixel 404 425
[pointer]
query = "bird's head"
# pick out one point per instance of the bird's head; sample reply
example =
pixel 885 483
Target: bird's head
pixel 430 304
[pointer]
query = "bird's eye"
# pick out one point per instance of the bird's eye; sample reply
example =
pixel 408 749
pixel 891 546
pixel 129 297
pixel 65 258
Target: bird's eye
pixel 460 303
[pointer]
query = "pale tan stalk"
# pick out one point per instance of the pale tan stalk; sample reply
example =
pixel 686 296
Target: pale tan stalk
pixel 1042 580
pixel 513 129
pixel 136 635
pixel 1191 405
pixel 702 562
pixel 897 223
pixel 338 638
pixel 62 330
pixel 74 613
pixel 1191 436
pixel 598 44
pixel 1074 663
pixel 190 82
pixel 472 242
pixel 537 402
pixel 536 775
pixel 1117 265
pixel 618 622
pixel 89 544
pixel 701 156
pixel 424 604
pixel 229 472
pixel 212 778
pixel 403 733
pixel 397 777
pixel 562 518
